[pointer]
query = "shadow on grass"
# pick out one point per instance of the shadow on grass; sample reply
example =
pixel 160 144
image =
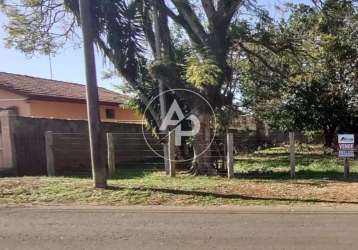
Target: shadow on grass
pixel 133 172
pixel 300 175
pixel 228 196
pixel 124 171
pixel 137 169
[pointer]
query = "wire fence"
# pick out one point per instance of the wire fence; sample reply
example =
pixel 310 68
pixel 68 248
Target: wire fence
pixel 70 152
pixel 252 153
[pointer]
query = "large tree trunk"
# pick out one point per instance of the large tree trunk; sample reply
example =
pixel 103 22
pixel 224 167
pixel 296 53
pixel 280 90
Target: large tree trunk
pixel 329 135
pixel 202 162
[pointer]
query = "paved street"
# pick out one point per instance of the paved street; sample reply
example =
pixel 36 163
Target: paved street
pixel 174 228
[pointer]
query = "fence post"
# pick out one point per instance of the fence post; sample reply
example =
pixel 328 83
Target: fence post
pixel 171 149
pixel 292 154
pixel 230 155
pixel 166 157
pixel 111 155
pixel 346 168
pixel 50 159
pixel 8 148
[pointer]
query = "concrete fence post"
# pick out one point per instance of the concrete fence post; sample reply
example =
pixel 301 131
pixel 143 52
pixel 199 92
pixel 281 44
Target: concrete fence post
pixel 8 144
pixel 50 158
pixel 230 155
pixel 292 155
pixel 111 155
pixel 171 149
pixel 166 157
pixel 346 168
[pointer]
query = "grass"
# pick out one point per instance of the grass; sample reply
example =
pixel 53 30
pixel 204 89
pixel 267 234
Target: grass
pixel 261 179
pixel 311 163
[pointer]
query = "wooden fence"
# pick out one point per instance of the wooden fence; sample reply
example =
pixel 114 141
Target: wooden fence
pixel 70 152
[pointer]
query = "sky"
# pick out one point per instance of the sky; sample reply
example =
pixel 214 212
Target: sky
pixel 68 64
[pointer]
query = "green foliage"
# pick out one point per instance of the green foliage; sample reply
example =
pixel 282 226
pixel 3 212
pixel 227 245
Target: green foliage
pixel 137 105
pixel 118 34
pixel 125 32
pixel 201 73
pixel 38 26
pixel 311 84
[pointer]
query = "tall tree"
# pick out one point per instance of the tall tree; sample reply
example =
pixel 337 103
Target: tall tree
pixel 308 82
pixel 125 30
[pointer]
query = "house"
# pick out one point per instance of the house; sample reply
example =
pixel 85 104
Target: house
pixel 43 98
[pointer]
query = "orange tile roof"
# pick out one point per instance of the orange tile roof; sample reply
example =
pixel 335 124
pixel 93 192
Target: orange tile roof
pixel 40 88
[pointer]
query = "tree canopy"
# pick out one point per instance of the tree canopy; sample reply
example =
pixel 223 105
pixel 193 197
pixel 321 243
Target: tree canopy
pixel 297 73
pixel 311 84
pixel 170 44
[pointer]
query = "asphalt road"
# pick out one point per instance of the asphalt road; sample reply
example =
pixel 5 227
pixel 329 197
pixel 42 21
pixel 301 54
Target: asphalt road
pixel 169 228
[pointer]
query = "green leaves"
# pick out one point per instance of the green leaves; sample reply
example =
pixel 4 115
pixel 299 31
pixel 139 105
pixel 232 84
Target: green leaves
pixel 201 73
pixel 320 84
pixel 38 26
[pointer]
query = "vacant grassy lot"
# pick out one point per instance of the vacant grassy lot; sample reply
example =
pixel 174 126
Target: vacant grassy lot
pixel 311 163
pixel 261 179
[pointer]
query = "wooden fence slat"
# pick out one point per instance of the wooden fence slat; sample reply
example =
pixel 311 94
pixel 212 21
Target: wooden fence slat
pixel 50 160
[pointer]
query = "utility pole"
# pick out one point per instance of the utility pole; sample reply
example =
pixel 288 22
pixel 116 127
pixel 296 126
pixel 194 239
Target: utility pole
pixel 94 121
pixel 162 101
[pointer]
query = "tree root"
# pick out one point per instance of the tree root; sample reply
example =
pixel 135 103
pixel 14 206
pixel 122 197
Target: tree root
pixel 196 171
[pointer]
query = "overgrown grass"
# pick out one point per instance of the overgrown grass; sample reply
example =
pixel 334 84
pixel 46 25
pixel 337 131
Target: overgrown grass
pixel 311 162
pixel 261 179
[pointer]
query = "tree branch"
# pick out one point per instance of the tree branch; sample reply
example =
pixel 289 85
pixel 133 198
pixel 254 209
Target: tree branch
pixel 226 10
pixel 188 14
pixel 209 11
pixel 180 21
pixel 261 59
pixel 148 28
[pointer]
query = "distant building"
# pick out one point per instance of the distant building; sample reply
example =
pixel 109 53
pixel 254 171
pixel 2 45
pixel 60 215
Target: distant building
pixel 38 97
